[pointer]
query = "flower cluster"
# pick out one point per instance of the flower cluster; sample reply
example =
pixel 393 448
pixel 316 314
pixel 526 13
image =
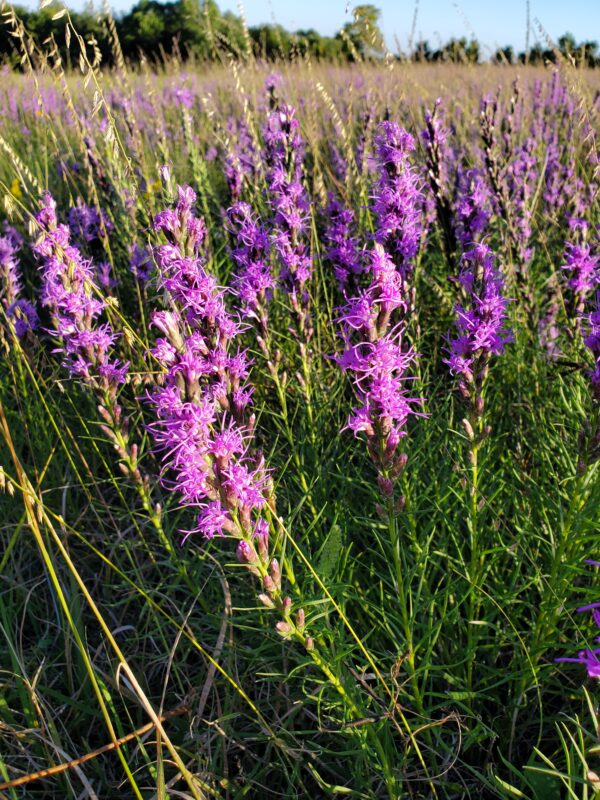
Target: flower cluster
pixel 378 361
pixel 592 342
pixel 89 224
pixel 480 322
pixel 253 281
pixel 472 206
pixel 202 425
pixel 398 199
pixel 341 245
pixel 68 291
pixel 582 265
pixel 283 157
pixel 20 311
pixel 240 161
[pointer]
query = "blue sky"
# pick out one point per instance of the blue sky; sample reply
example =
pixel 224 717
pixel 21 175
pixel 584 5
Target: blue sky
pixel 494 22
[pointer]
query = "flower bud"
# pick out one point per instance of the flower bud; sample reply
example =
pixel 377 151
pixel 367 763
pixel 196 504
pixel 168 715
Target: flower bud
pixel 275 573
pixel 399 465
pixel 286 606
pixel 300 620
pixel 386 486
pixel 468 429
pixel 284 629
pixel 266 600
pixel 245 553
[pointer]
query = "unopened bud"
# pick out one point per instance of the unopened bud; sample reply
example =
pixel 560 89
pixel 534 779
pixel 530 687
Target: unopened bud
pixel 245 553
pixel 275 572
pixel 386 487
pixel 399 504
pixel 284 629
pixel 300 620
pixel 468 429
pixel 399 465
pixel 309 643
pixel 104 414
pixel 266 600
pixel 286 606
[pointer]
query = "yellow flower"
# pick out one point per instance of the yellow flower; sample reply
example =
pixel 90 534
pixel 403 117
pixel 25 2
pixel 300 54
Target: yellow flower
pixel 15 189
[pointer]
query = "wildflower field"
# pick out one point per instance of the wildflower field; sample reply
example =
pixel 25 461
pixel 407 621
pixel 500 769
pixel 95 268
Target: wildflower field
pixel 299 414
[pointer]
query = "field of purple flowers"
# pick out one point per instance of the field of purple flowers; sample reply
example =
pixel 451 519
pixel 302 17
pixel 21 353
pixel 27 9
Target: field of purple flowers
pixel 300 416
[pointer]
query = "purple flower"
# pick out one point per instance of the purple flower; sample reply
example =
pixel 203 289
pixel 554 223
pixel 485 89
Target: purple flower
pixel 24 317
pixel 283 155
pixel 69 292
pixel 379 363
pixel 202 427
pixel 591 330
pixel 241 162
pixel 253 281
pixel 582 265
pixel 481 322
pixel 88 224
pixel 341 245
pixel 140 263
pixel 472 206
pixel 20 311
pixel 180 226
pixel 398 198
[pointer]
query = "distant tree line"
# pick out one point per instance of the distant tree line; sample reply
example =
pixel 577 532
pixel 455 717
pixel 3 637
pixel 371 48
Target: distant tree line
pixel 197 28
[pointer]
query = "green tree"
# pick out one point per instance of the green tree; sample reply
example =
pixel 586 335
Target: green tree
pixel 364 32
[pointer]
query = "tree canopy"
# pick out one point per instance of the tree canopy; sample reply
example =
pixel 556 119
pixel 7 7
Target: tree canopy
pixel 198 28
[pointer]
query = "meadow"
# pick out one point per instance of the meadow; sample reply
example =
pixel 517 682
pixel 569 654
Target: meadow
pixel 299 413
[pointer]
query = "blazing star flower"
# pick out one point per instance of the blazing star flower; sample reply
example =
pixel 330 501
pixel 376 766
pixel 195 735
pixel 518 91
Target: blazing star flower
pixel 582 265
pixel 283 155
pixel 341 245
pixel 68 293
pixel 379 363
pixel 88 224
pixel 253 281
pixel 140 263
pixel 241 162
pixel 472 206
pixel 398 198
pixel 20 311
pixel 481 323
pixel 203 428
pixel 591 323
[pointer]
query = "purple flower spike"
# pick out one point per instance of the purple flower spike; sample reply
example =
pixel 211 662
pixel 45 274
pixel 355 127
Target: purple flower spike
pixel 253 281
pixel 341 245
pixel 591 325
pixel 398 197
pixel 481 322
pixel 203 428
pixel 379 363
pixel 20 311
pixel 68 291
pixel 283 155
